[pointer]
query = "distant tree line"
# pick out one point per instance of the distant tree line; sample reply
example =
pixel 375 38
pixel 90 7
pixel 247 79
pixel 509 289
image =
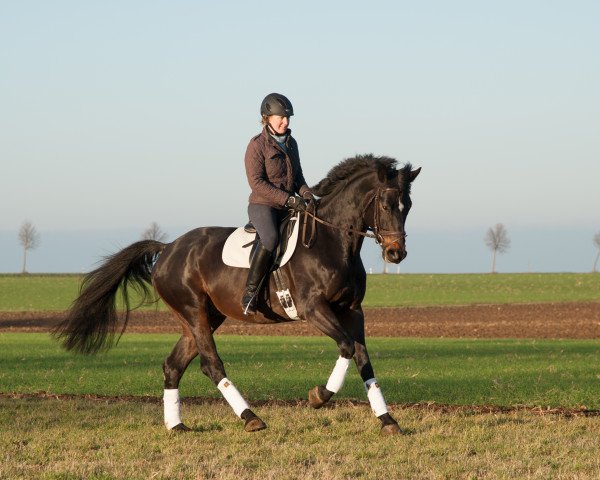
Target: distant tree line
pixel 596 241
pixel 496 239
pixel 154 232
pixel 29 238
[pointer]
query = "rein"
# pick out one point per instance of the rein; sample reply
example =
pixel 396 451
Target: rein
pixel 377 232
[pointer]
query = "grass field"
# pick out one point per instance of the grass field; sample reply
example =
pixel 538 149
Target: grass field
pixel 56 292
pixel 112 439
pixel 408 290
pixel 79 439
pixel 544 373
pixel 105 439
pixel 37 292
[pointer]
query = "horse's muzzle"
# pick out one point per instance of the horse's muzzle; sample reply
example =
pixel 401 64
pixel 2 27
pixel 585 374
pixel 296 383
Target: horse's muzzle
pixel 394 253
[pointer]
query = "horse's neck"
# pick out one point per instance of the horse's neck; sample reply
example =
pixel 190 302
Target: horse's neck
pixel 345 210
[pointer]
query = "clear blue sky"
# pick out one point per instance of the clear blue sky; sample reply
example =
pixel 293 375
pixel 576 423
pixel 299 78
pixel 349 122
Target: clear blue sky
pixel 117 114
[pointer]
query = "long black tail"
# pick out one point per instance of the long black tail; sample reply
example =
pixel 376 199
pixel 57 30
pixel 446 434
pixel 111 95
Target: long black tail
pixel 92 320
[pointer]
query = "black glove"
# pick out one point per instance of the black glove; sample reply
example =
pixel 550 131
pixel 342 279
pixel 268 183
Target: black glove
pixel 296 203
pixel 308 197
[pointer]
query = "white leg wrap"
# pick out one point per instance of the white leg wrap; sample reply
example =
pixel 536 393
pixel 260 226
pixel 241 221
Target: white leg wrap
pixel 233 397
pixel 171 408
pixel 337 377
pixel 375 397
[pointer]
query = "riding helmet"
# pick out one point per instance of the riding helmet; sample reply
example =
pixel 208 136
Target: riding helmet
pixel 276 104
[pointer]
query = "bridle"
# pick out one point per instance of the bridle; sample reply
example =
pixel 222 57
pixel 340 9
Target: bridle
pixel 378 233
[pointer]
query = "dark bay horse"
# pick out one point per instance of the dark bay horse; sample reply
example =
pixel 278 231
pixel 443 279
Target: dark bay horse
pixel 327 283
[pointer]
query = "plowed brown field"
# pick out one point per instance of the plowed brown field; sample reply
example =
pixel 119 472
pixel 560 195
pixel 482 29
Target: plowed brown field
pixel 547 320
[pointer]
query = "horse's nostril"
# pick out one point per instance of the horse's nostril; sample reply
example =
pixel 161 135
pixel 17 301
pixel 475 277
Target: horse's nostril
pixel 394 255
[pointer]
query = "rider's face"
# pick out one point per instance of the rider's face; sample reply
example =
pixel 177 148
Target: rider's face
pixel 279 124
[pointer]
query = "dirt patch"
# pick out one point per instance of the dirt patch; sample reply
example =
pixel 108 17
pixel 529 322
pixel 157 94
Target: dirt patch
pixel 546 320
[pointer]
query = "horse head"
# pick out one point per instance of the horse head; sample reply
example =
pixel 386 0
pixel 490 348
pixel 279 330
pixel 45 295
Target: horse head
pixel 387 207
pixel 377 196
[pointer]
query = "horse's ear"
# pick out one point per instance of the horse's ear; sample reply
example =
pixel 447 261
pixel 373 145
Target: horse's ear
pixel 415 173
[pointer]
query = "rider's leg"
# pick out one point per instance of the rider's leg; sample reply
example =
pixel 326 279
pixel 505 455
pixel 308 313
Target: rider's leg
pixel 259 267
pixel 266 221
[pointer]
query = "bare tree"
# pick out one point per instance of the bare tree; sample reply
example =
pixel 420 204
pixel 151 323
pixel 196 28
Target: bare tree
pixel 597 243
pixel 154 232
pixel 497 240
pixel 29 239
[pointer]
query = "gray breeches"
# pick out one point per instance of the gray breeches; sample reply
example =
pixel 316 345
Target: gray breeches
pixel 266 221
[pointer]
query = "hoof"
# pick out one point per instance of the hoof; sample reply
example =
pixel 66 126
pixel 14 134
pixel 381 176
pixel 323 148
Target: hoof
pixel 254 425
pixel 315 400
pixel 391 429
pixel 180 427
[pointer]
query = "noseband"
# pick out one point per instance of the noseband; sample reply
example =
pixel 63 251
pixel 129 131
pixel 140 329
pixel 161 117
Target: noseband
pixel 378 233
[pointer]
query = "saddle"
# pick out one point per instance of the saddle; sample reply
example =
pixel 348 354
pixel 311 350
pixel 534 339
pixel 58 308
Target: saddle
pixel 241 243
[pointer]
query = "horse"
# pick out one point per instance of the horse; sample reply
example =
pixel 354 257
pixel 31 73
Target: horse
pixel 327 280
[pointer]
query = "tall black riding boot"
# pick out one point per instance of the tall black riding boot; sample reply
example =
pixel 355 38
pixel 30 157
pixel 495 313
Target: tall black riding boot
pixel 259 267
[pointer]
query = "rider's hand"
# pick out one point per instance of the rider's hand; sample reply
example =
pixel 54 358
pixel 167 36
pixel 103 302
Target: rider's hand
pixel 296 203
pixel 308 197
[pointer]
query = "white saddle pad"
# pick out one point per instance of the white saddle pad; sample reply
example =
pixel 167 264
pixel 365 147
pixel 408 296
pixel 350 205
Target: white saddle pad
pixel 235 255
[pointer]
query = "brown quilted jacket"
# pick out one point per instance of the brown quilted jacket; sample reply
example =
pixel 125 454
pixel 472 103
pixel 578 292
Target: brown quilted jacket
pixel 272 174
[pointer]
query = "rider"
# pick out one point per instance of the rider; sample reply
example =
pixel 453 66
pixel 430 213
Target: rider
pixel 275 176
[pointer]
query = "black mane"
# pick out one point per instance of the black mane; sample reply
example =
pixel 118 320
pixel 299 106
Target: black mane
pixel 339 175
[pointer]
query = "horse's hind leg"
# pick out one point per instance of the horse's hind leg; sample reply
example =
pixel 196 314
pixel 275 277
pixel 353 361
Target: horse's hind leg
pixel 173 367
pixel 202 327
pixel 213 368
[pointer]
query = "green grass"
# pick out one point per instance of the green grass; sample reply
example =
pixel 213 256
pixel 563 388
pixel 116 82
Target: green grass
pixel 38 292
pixel 56 292
pixel 545 373
pixel 101 439
pixel 82 439
pixel 465 289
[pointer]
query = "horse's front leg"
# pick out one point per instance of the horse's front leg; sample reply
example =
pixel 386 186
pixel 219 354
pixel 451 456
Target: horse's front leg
pixel 354 321
pixel 322 317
